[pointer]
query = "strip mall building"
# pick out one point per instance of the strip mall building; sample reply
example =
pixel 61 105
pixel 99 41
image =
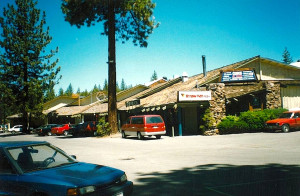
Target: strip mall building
pixel 252 84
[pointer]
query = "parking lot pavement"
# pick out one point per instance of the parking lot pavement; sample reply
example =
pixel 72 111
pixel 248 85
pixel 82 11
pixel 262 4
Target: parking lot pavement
pixel 244 164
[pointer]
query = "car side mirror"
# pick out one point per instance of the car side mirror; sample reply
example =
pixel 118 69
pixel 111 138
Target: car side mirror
pixel 73 156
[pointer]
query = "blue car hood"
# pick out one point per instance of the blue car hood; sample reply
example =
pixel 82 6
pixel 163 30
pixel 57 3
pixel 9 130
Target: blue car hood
pixel 77 174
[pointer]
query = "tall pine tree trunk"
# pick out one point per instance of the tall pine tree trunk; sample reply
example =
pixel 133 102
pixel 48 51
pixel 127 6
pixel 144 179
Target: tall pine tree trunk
pixel 112 98
pixel 25 99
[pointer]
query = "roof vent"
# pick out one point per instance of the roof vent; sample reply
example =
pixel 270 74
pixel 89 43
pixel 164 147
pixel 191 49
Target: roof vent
pixel 204 65
pixel 185 77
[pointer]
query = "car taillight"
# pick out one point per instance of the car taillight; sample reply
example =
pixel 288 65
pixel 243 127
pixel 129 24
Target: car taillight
pixel 72 191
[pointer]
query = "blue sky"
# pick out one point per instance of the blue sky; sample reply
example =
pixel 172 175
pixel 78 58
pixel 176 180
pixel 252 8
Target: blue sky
pixel 226 31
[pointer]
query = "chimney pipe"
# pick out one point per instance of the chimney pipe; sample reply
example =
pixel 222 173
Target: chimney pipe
pixel 204 65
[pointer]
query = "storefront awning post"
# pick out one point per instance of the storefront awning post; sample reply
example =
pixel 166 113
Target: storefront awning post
pixel 179 122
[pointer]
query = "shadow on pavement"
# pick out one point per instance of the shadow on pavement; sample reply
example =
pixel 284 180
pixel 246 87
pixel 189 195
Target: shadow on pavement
pixel 220 180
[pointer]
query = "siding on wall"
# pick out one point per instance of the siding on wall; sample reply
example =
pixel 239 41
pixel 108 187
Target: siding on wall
pixel 290 97
pixel 271 72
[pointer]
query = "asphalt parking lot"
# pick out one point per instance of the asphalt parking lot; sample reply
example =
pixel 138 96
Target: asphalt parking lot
pixel 230 165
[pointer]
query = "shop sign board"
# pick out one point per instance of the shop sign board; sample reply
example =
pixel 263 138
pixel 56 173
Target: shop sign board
pixel 194 95
pixel 133 103
pixel 245 75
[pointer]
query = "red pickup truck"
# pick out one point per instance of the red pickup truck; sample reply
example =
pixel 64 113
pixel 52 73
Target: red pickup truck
pixel 287 121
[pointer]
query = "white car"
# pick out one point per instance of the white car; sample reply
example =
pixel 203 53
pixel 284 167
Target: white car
pixel 16 128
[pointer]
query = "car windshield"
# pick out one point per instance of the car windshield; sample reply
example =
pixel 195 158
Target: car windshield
pixel 39 157
pixel 154 119
pixel 286 115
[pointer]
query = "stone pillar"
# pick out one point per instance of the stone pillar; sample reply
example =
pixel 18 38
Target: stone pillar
pixel 273 97
pixel 217 102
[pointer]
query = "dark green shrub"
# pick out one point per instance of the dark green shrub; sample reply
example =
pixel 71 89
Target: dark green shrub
pixel 274 113
pixel 103 128
pixel 208 121
pixel 256 119
pixel 232 124
pixel 250 121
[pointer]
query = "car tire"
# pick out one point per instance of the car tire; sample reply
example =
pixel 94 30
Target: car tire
pixel 123 134
pixel 66 133
pixel 285 128
pixel 139 136
pixel 158 136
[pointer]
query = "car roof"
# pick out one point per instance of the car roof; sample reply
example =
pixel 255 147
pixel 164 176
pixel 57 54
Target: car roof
pixel 20 143
pixel 146 115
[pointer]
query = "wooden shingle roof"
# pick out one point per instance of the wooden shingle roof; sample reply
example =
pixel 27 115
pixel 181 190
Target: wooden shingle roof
pixel 169 94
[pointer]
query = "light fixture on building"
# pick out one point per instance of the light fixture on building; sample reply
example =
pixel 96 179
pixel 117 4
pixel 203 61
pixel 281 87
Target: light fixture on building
pixel 175 106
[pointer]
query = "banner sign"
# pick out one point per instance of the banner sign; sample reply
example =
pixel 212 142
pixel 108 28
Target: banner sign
pixel 133 103
pixel 238 76
pixel 194 95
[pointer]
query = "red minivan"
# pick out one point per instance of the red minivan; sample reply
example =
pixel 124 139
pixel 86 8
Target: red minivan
pixel 144 125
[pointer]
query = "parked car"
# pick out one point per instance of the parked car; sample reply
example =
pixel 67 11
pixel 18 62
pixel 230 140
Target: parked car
pixel 16 129
pixel 287 121
pixel 144 125
pixel 88 128
pixel 39 168
pixel 45 129
pixel 61 129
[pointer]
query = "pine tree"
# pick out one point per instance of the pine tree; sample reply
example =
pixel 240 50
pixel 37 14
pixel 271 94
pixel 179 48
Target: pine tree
pixel 95 89
pixel 50 93
pixel 84 93
pixel 105 85
pixel 117 87
pixel 127 19
pixel 123 85
pixel 154 76
pixel 78 91
pixel 25 66
pixel 69 91
pixel 287 59
pixel 61 92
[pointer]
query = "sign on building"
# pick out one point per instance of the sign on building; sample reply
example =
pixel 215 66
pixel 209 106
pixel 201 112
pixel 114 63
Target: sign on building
pixel 133 103
pixel 242 75
pixel 194 96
